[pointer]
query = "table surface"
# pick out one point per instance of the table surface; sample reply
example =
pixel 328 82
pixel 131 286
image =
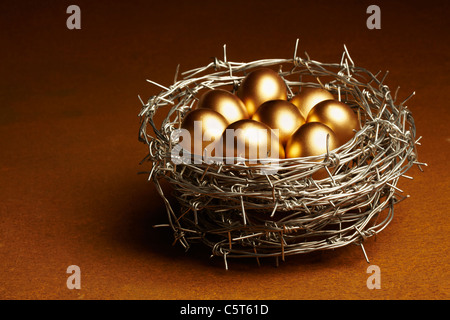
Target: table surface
pixel 69 189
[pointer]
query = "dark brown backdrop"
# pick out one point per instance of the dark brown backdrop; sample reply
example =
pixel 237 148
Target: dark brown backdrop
pixel 69 188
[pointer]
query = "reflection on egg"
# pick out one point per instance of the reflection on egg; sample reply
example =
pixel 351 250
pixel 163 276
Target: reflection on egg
pixel 308 98
pixel 225 103
pixel 311 140
pixel 281 115
pixel 336 115
pixel 251 139
pixel 204 126
pixel 259 86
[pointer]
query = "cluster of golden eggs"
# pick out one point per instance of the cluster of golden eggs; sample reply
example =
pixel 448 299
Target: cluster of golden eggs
pixel 302 123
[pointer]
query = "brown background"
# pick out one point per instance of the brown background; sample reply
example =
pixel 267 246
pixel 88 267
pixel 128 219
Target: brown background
pixel 69 188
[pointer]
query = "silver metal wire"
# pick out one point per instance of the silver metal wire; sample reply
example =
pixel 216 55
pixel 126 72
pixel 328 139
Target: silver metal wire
pixel 241 211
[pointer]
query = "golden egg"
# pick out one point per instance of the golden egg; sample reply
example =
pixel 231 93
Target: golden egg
pixel 336 115
pixel 309 97
pixel 311 140
pixel 225 103
pixel 204 126
pixel 259 86
pixel 250 139
pixel 281 115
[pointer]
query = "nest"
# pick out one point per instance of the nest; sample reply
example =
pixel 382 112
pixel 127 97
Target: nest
pixel 248 211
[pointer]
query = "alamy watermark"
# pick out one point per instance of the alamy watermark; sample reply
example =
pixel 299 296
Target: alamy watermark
pixel 74 280
pixel 374 280
pixel 374 20
pixel 74 20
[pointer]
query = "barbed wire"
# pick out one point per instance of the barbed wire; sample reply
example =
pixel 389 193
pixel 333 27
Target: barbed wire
pixel 242 211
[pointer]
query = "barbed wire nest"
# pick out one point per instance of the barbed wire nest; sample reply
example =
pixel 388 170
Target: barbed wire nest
pixel 246 211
